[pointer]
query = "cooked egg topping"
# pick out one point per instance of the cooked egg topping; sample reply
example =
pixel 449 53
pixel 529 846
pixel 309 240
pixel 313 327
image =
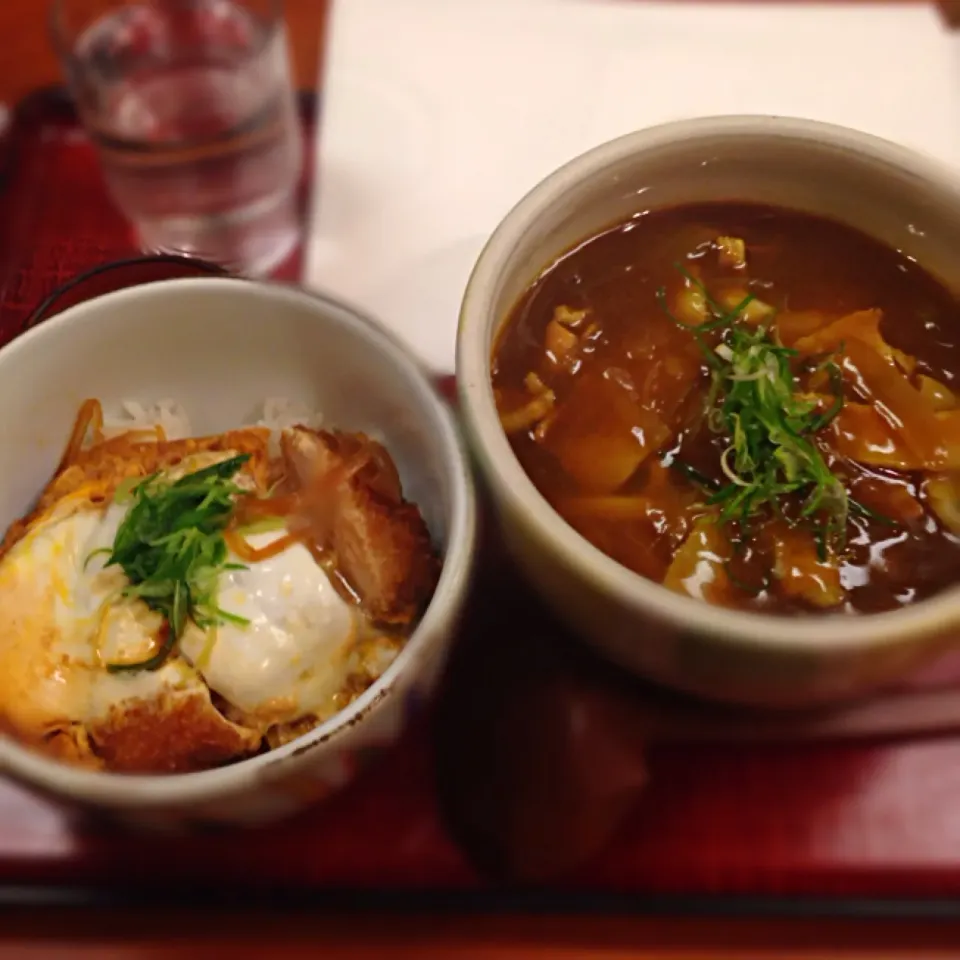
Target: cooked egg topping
pixel 174 605
pixel 82 637
pixel 63 617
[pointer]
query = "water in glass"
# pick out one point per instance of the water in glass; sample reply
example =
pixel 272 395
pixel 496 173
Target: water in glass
pixel 190 103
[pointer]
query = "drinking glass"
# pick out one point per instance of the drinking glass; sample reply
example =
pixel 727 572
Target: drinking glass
pixel 191 107
pixel 119 275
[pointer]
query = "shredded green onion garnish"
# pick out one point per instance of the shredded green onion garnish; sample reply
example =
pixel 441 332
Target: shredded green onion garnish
pixel 772 452
pixel 171 547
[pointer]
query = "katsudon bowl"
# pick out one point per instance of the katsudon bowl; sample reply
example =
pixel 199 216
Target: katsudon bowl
pixel 783 654
pixel 300 640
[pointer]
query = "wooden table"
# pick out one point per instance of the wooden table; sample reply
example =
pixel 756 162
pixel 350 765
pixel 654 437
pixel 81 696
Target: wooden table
pixel 26 62
pixel 241 935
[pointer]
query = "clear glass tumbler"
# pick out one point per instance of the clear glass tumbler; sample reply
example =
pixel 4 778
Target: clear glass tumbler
pixel 191 106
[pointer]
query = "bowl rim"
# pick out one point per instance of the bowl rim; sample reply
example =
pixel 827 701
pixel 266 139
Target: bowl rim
pixel 834 634
pixel 135 791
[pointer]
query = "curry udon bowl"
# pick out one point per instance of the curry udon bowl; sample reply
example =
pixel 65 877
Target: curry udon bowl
pixel 888 193
pixel 219 348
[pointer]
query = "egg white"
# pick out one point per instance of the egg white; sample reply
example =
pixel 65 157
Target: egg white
pixel 293 655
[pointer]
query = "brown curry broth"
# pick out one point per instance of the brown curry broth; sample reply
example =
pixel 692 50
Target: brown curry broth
pixel 795 261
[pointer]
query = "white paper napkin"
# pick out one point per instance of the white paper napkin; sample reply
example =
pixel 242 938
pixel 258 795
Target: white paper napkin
pixel 438 115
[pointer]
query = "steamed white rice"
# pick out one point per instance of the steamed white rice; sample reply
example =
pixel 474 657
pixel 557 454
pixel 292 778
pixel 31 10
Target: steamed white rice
pixel 275 413
pixel 134 415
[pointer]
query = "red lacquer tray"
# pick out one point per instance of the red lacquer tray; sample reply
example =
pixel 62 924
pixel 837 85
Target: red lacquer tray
pixel 447 811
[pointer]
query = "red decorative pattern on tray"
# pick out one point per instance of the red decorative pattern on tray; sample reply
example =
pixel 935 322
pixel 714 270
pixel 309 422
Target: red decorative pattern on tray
pixel 878 820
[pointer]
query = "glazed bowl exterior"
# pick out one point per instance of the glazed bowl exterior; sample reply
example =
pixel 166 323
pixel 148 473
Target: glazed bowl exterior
pixel 221 347
pixel 899 197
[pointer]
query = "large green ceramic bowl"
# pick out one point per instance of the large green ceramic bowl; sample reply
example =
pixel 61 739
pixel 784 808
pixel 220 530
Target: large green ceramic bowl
pixel 897 196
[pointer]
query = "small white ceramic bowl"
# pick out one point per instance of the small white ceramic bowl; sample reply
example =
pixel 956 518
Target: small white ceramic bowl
pixel 899 197
pixel 221 347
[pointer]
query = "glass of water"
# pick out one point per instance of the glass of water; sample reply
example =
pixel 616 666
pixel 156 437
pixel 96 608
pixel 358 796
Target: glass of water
pixel 191 106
